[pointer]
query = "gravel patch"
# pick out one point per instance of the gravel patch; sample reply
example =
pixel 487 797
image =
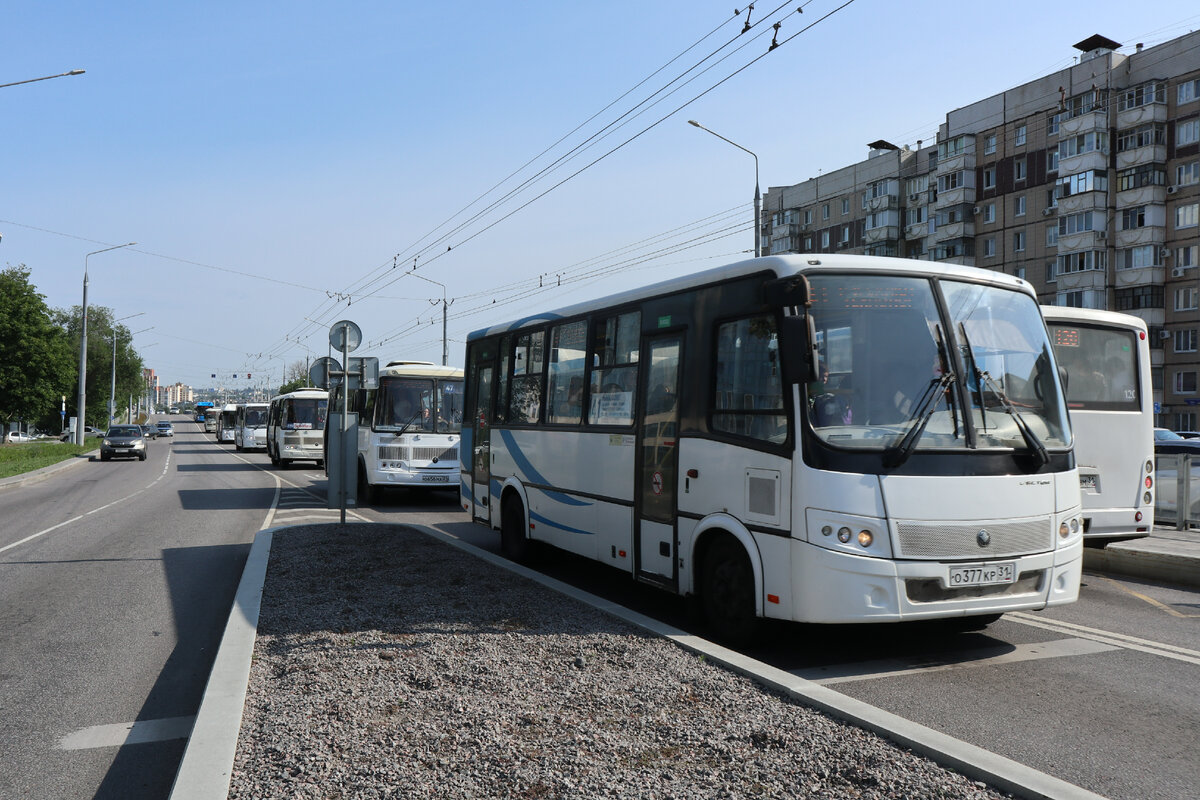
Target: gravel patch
pixel 392 665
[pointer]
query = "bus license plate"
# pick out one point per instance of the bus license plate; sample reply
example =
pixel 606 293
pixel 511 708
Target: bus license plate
pixel 435 478
pixel 1087 482
pixel 983 575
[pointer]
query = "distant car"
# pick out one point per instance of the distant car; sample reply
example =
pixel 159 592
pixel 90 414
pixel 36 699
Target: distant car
pixel 13 437
pixel 174 411
pixel 123 440
pixel 88 431
pixel 165 429
pixel 149 431
pixel 1168 442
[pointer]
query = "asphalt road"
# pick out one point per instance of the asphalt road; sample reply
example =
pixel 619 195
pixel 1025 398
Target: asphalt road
pixel 1100 693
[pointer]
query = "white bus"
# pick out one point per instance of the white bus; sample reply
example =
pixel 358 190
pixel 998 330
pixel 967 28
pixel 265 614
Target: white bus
pixel 1107 360
pixel 811 438
pixel 226 423
pixel 408 428
pixel 296 427
pixel 250 427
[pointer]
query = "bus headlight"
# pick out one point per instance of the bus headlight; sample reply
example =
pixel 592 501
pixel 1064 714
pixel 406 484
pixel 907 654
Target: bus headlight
pixel 860 536
pixel 843 534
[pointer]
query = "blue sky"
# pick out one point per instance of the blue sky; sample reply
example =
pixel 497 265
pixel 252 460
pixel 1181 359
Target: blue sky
pixel 270 159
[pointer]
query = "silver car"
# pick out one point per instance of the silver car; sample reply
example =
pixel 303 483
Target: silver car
pixel 123 440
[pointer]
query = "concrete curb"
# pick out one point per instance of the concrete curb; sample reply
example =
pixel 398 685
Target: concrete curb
pixel 45 472
pixel 207 765
pixel 1138 562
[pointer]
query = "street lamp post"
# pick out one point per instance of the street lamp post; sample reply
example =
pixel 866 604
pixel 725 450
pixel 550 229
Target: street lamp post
pixel 112 393
pixel 445 306
pixel 757 193
pixel 82 404
pixel 45 78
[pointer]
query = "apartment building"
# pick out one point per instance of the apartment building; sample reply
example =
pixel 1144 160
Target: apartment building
pixel 1085 182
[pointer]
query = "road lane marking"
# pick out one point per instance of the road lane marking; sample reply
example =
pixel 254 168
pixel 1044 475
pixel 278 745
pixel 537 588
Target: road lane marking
pixel 123 733
pixel 1107 637
pixel 1159 605
pixel 970 659
pixel 78 517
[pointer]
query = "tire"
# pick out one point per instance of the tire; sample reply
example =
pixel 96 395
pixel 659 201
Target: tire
pixel 274 457
pixel 237 446
pixel 368 494
pixel 727 593
pixel 142 457
pixel 105 456
pixel 514 543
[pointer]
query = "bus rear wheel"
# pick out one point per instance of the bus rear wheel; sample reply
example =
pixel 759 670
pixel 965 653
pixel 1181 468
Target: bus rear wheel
pixel 727 593
pixel 514 545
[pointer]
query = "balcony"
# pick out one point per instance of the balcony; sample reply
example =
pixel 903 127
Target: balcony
pixel 1084 240
pixel 954 163
pixel 1142 196
pixel 1141 156
pixel 1091 160
pixel 1151 112
pixel 1140 276
pixel 884 202
pixel 1086 279
pixel 1085 123
pixel 917 230
pixel 955 197
pixel 1147 234
pixel 955 230
pixel 1084 201
pixel 883 233
pixel 787 229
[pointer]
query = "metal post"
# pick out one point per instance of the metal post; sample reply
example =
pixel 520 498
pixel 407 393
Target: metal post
pixel 79 406
pixel 345 412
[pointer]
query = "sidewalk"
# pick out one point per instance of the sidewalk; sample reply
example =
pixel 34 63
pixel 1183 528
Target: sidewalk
pixel 1165 555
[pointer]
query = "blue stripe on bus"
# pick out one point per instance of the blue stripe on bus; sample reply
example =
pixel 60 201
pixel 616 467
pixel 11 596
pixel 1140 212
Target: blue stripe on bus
pixel 545 521
pixel 524 465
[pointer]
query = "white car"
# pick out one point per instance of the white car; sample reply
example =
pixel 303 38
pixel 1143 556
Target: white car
pixel 16 436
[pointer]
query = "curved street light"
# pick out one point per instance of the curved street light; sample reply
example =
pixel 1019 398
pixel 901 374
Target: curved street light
pixel 757 193
pixel 81 406
pixel 46 78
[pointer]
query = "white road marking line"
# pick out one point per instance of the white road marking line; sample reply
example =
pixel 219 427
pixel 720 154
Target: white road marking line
pixel 1107 637
pixel 893 667
pixel 141 732
pixel 33 536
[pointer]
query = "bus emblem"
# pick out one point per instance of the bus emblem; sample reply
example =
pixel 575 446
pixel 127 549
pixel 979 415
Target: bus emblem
pixel 983 537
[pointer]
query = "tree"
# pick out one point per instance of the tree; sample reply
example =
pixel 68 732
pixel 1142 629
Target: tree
pixel 100 362
pixel 35 353
pixel 295 376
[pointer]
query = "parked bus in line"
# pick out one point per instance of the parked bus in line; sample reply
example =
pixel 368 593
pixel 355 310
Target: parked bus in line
pixel 226 423
pixel 824 438
pixel 250 427
pixel 203 410
pixel 408 428
pixel 296 427
pixel 1106 356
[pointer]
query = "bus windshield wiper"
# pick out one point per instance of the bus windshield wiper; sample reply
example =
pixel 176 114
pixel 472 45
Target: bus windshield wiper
pixel 1031 439
pixel 898 453
pixel 404 428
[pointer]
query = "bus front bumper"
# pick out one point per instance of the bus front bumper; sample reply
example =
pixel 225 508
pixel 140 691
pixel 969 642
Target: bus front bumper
pixel 429 478
pixel 839 587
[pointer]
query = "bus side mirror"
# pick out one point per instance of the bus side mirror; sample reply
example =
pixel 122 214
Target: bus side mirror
pixel 793 290
pixel 800 353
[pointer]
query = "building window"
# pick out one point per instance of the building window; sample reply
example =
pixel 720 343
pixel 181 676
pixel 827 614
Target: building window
pixel 1184 421
pixel 989 177
pixel 1142 95
pixel 1095 142
pixel 808 216
pixel 1052 160
pixel 1081 298
pixel 1019 206
pixel 1185 341
pixel 1090 181
pixel 989 212
pixel 1020 138
pixel 1151 133
pixel 1052 235
pixel 989 247
pixel 1187 92
pixel 824 240
pixel 1019 242
pixel 845 206
pixel 914 215
pixel 1019 169
pixel 1187 216
pixel 1083 261
pixel 1051 199
pixel 989 144
pixel 1139 297
pixel 825 211
pixel 953 147
pixel 1020 273
pixel 1141 256
pixel 1051 271
pixel 1187 174
pixel 1185 382
pixel 1134 217
pixel 1052 123
pixel 1137 177
pixel 916 186
pixel 1186 257
pixel 1187 132
pixel 845 235
pixel 1185 299
pixel 1075 223
pixel 808 244
pixel 953 180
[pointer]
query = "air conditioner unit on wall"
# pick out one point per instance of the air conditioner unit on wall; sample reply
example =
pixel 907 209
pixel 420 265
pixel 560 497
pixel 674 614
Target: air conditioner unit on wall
pixel 1177 272
pixel 1164 252
pixel 1164 334
pixel 1101 235
pixel 1047 211
pixel 914 196
pixel 1172 189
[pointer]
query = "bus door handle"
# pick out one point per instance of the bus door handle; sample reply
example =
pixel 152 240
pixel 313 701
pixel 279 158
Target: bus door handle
pixel 687 483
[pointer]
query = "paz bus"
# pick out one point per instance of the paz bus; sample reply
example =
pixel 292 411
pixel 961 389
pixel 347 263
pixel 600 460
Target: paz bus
pixel 408 428
pixel 226 422
pixel 825 438
pixel 250 427
pixel 296 426
pixel 1106 357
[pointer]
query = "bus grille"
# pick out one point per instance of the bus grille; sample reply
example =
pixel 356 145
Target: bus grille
pixel 300 440
pixel 959 540
pixel 392 452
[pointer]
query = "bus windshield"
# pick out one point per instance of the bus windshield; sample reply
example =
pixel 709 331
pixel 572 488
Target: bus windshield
pixel 302 413
pixel 255 417
pixel 1101 365
pixel 419 404
pixel 895 372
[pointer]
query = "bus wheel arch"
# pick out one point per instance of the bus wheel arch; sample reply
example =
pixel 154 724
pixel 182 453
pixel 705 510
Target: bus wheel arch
pixel 514 524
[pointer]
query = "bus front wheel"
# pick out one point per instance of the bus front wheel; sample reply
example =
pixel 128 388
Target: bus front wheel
pixel 727 593
pixel 514 545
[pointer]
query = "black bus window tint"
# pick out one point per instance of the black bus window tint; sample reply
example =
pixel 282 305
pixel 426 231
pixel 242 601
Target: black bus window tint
pixel 564 393
pixel 614 355
pixel 748 400
pixel 500 414
pixel 525 399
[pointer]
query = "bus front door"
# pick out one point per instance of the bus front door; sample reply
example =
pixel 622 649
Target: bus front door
pixel 655 541
pixel 481 445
